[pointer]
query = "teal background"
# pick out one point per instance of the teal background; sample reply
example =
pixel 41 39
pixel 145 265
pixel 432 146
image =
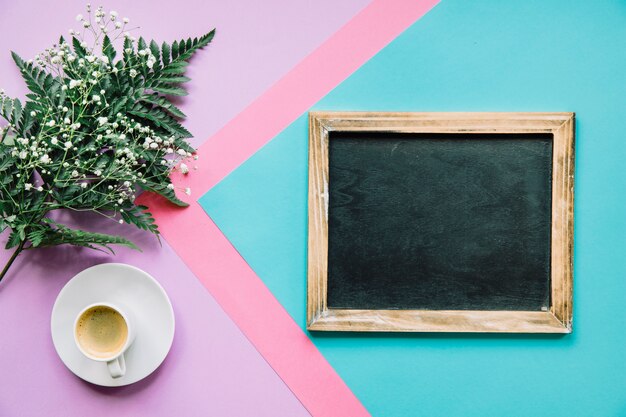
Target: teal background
pixel 471 56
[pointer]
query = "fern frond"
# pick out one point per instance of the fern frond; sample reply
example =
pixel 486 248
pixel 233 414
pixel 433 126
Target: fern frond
pixel 160 119
pixel 54 233
pixel 37 80
pixel 107 49
pixel 141 218
pixel 162 102
pixel 163 191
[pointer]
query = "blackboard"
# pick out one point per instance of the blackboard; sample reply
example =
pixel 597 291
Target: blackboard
pixel 439 221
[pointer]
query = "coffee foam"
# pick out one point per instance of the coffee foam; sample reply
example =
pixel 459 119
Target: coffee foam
pixel 101 332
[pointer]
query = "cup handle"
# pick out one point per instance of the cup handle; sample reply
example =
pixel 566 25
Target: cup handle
pixel 117 367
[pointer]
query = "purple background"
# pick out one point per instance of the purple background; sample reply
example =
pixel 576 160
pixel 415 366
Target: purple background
pixel 212 368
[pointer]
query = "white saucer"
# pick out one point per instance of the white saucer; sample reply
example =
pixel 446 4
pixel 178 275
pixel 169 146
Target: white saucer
pixel 136 291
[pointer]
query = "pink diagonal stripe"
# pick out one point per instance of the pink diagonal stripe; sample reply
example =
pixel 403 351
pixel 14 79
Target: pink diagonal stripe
pixel 207 252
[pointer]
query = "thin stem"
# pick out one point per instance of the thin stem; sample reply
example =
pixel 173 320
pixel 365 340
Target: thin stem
pixel 19 248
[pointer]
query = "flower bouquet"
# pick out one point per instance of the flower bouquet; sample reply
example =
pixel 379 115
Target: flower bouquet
pixel 98 127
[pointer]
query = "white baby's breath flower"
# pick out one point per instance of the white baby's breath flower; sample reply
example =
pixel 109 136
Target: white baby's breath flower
pixel 97 172
pixel 74 174
pixel 170 186
pixel 75 83
pixel 181 152
pixel 28 186
pixel 23 155
pixel 40 188
pixel 188 191
pixel 102 120
pixel 33 113
pixel 184 169
pixel 95 97
pixel 121 221
pixel 54 141
pixel 83 185
pixel 118 25
pixel 133 73
pixel 51 123
pixel 45 159
pixel 126 20
pixel 79 17
pixel 68 144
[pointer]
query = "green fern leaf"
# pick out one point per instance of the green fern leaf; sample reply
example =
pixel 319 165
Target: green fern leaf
pixel 174 50
pixel 141 218
pixel 174 80
pixel 162 190
pixel 163 103
pixel 13 240
pixel 30 75
pixel 154 50
pixel 184 145
pixel 175 68
pixel 161 119
pixel 6 160
pixel 107 48
pixel 188 47
pixel 169 91
pixel 165 54
pixel 60 234
pixel 166 51
pixel 78 48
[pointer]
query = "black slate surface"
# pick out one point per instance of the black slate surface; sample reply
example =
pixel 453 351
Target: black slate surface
pixel 439 222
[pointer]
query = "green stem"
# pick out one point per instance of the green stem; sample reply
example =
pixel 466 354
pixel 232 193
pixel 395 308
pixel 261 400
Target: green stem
pixel 20 247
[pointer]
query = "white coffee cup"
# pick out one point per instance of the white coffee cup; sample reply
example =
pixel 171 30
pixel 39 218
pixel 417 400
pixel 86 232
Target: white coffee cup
pixel 103 332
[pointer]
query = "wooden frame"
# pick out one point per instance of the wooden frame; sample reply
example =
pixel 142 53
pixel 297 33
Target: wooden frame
pixel 558 319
